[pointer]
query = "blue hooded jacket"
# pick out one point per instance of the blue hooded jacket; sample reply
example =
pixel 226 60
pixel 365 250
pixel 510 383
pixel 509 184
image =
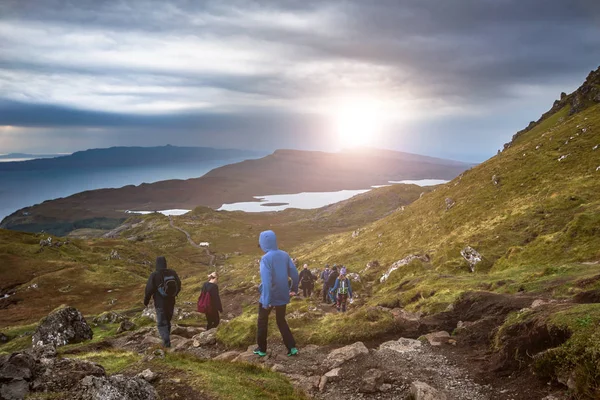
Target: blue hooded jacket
pixel 276 267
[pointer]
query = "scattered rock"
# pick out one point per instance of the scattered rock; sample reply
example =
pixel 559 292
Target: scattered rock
pixel 372 380
pixel 355 234
pixel 186 332
pixel 353 276
pixel 472 256
pixel 422 391
pixel 334 374
pixel 230 356
pixel 109 317
pixel 561 158
pixel 437 338
pixel 496 180
pixel 277 368
pixel 339 356
pixel 117 387
pixel 205 338
pixel 322 383
pixel 402 346
pixel 63 326
pixel 114 255
pixel 538 303
pixel 464 324
pixel 386 387
pixel 148 375
pixel 125 326
pixel 449 203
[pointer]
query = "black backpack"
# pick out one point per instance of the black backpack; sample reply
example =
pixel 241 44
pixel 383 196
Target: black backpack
pixel 168 287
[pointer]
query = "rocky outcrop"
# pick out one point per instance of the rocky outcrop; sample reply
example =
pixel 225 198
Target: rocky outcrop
pixel 400 263
pixel 117 387
pixel 472 256
pixel 63 326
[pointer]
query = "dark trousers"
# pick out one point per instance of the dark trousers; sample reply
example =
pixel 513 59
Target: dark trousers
pixel 212 319
pixel 263 327
pixel 342 299
pixel 164 313
pixel 325 293
pixel 307 291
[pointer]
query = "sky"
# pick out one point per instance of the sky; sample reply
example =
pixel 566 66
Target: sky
pixel 448 78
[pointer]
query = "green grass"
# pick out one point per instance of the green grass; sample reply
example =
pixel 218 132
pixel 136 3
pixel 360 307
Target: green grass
pixel 235 381
pixel 113 361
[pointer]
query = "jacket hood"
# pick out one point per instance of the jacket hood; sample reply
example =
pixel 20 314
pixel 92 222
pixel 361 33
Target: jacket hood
pixel 267 241
pixel 161 263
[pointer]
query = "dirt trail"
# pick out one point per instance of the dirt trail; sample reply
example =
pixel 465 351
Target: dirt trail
pixel 191 241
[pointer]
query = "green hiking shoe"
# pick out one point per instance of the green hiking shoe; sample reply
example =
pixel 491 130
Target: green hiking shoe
pixel 293 352
pixel 259 353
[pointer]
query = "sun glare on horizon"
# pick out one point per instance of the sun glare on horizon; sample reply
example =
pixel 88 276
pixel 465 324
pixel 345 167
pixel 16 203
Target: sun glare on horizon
pixel 358 122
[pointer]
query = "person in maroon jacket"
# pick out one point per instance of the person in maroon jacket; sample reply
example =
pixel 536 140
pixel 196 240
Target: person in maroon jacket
pixel 211 287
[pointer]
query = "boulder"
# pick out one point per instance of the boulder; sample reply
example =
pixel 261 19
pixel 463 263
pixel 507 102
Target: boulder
pixel 322 383
pixel 339 356
pixel 227 356
pixel 109 317
pixel 148 375
pixel 117 387
pixel 371 381
pixel 14 390
pixel 126 326
pixel 437 338
pixel 333 375
pixel 449 203
pixel 186 332
pixel 59 375
pixel 305 383
pixel 206 338
pixel 402 346
pixel 63 326
pixel 422 391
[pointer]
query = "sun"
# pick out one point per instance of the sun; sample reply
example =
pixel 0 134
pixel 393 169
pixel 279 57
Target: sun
pixel 357 121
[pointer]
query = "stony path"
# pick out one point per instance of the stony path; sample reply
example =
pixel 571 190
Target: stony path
pixel 191 241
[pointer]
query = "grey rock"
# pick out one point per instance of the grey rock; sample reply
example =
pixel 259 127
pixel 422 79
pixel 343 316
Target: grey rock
pixel 109 317
pixel 186 332
pixel 117 387
pixel 437 338
pixel 14 390
pixel 206 338
pixel 58 375
pixel 371 381
pixel 472 256
pixel 148 375
pixel 339 356
pixel 125 326
pixel 449 203
pixel 386 387
pixel 322 383
pixel 334 374
pixel 228 356
pixel 63 326
pixel 422 391
pixel 277 368
pixel 402 346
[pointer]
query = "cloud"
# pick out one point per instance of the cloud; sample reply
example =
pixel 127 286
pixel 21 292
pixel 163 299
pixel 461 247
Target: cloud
pixel 249 67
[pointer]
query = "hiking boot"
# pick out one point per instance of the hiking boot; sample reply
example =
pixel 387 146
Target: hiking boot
pixel 259 352
pixel 293 352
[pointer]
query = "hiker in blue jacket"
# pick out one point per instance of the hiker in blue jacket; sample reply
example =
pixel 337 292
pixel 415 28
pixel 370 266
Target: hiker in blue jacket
pixel 343 289
pixel 276 267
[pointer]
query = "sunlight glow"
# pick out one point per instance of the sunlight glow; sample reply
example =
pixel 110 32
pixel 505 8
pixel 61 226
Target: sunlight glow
pixel 358 121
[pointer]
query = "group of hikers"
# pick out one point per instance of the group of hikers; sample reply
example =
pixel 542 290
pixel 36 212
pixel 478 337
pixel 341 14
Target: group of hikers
pixel 280 281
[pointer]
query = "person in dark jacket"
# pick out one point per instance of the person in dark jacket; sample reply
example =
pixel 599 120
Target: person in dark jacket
pixel 276 267
pixel 331 283
pixel 307 281
pixel 324 277
pixel 211 287
pixel 343 290
pixel 163 285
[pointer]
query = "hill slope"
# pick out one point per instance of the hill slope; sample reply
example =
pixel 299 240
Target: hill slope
pixel 285 171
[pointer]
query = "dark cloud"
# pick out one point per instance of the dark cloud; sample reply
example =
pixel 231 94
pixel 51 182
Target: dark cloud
pixel 257 67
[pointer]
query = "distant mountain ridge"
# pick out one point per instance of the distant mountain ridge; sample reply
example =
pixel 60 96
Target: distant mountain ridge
pixel 283 172
pixel 12 156
pixel 129 156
